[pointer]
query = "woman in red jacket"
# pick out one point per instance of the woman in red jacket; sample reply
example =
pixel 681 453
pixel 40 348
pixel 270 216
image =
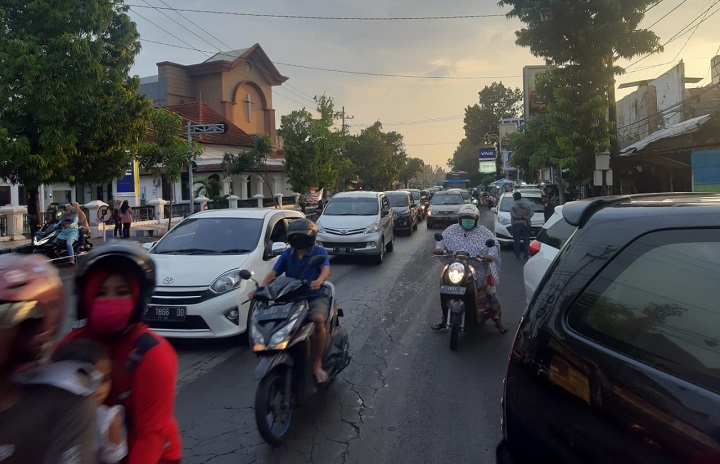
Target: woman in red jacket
pixel 113 286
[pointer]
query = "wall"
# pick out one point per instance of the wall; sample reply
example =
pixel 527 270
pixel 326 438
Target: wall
pixel 706 170
pixel 637 115
pixel 670 89
pixel 180 86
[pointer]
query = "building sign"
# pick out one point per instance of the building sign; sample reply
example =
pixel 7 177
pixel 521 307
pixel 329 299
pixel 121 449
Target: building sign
pixel 506 128
pixel 487 157
pixel 129 184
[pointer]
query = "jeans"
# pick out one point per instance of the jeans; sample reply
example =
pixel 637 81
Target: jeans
pixel 126 229
pixel 68 246
pixel 521 232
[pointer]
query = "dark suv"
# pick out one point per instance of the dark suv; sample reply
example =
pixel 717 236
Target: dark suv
pixel 617 357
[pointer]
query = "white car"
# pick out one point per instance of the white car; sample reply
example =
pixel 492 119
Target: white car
pixel 503 227
pixel 543 250
pixel 199 293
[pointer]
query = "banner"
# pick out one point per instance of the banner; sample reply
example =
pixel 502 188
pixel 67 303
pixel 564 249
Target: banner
pixel 533 105
pixel 129 183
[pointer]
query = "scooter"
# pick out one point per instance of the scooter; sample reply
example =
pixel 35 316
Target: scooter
pixel 44 241
pixel 458 292
pixel 281 337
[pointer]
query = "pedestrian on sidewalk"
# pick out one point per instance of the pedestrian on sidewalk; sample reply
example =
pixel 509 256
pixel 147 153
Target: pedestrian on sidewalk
pixel 113 287
pixel 126 216
pixel 117 219
pixel 520 214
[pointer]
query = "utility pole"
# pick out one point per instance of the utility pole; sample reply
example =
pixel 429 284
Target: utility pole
pixel 612 117
pixel 344 118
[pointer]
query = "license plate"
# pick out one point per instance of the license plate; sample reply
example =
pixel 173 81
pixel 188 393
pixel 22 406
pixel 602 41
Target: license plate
pixel 450 290
pixel 165 313
pixel 342 250
pixel 273 313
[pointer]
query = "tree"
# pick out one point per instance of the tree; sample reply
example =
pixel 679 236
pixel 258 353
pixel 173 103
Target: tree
pixel 254 159
pixel 583 40
pixel 481 125
pixel 313 151
pixel 379 156
pixel 69 110
pixel 167 153
pixel 413 166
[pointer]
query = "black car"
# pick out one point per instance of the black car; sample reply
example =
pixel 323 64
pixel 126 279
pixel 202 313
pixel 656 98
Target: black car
pixel 404 211
pixel 617 357
pixel 417 200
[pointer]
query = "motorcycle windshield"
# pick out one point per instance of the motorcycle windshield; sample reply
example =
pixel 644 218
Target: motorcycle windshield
pixel 282 287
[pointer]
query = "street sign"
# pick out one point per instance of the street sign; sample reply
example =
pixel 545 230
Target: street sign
pixel 103 213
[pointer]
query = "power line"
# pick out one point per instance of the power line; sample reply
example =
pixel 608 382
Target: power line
pixel 667 14
pixel 173 35
pixel 652 6
pixel 179 24
pixel 410 123
pixel 315 68
pixel 327 18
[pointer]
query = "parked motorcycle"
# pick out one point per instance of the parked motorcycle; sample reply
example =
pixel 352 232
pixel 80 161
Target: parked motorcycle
pixel 44 241
pixel 458 291
pixel 282 339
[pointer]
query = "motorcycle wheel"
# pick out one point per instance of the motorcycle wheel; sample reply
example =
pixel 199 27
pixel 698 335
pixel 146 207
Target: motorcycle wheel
pixel 273 423
pixel 454 330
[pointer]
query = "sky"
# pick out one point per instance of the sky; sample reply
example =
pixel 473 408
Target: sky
pixel 468 53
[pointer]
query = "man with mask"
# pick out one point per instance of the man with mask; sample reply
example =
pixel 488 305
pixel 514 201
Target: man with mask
pixel 469 236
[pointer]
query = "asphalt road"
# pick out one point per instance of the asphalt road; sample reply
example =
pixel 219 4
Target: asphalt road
pixel 405 398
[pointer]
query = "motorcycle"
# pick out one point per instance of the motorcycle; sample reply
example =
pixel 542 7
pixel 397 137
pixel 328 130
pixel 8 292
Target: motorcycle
pixel 458 292
pixel 281 337
pixel 44 241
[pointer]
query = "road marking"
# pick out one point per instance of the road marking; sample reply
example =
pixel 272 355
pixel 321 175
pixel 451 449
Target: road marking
pixel 193 365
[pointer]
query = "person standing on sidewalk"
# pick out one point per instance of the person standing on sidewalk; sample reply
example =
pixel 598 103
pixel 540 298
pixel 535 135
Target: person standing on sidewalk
pixel 117 218
pixel 126 216
pixel 520 214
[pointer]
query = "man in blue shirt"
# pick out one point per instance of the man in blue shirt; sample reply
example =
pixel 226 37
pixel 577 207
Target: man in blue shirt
pixel 294 263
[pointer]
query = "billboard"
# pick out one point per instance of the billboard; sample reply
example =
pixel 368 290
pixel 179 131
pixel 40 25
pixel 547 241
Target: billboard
pixel 129 184
pixel 487 157
pixel 533 105
pixel 506 128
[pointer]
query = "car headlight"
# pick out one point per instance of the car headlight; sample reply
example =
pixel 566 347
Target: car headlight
pixel 456 272
pixel 374 227
pixel 404 213
pixel 320 228
pixel 504 221
pixel 226 282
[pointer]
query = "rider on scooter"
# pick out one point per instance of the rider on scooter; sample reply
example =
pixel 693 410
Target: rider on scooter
pixel 294 263
pixel 469 236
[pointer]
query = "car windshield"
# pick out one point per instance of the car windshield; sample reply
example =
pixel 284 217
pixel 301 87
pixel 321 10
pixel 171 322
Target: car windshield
pixel 351 206
pixel 534 202
pixel 415 194
pixel 447 199
pixel 211 236
pixel 398 200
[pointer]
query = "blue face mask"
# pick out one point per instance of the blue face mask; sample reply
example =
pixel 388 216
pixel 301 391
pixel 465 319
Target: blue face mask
pixel 467 223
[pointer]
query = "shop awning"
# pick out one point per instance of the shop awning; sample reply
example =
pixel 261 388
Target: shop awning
pixel 683 128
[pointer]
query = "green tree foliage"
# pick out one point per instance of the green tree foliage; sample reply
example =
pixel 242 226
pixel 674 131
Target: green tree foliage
pixel 167 153
pixel 69 110
pixel 583 40
pixel 378 156
pixel 481 125
pixel 254 159
pixel 413 167
pixel 313 150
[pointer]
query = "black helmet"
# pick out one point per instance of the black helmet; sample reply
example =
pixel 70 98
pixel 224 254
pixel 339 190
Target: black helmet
pixel 302 234
pixel 117 255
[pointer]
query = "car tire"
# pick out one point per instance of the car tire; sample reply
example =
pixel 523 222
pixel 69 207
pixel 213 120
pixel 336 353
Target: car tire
pixel 416 224
pixel 391 246
pixel 380 257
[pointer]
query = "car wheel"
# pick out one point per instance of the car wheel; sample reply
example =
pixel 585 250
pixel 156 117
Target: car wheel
pixel 391 245
pixel 416 224
pixel 410 229
pixel 379 258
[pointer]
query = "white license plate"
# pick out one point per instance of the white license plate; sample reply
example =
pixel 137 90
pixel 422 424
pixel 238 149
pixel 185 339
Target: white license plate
pixel 342 250
pixel 165 313
pixel 451 290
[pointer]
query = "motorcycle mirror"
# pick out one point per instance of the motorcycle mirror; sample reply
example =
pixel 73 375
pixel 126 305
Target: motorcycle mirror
pixel 245 274
pixel 490 243
pixel 438 236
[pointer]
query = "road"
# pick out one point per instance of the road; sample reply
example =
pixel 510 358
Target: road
pixel 405 398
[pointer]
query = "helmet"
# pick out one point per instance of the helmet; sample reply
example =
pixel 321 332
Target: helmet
pixel 31 290
pixel 302 233
pixel 468 212
pixel 125 257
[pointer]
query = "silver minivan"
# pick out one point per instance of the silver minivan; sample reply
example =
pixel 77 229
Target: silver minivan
pixel 357 223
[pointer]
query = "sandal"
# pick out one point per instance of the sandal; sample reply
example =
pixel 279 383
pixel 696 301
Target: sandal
pixel 438 326
pixel 321 377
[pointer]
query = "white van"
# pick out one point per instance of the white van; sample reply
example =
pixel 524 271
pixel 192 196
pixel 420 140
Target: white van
pixel 357 223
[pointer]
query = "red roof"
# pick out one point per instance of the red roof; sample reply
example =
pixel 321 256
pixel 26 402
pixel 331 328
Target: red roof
pixel 201 113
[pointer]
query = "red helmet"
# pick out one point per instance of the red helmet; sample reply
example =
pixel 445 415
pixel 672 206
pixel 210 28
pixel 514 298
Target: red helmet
pixel 31 289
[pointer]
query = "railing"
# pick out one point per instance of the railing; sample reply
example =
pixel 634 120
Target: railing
pixel 3 226
pixel 178 210
pixel 143 213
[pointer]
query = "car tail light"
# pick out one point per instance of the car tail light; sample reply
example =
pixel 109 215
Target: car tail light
pixel 534 247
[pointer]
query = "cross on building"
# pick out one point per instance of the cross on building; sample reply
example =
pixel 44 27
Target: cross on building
pixel 249 106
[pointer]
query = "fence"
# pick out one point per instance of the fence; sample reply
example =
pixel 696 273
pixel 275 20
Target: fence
pixel 143 213
pixel 3 226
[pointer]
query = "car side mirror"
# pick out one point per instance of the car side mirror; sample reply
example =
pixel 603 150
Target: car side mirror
pixel 490 243
pixel 385 212
pixel 438 236
pixel 278 248
pixel 245 274
pixel 149 245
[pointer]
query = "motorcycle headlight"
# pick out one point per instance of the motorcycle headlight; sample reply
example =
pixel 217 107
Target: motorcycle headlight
pixel 226 282
pixel 258 341
pixel 373 228
pixel 282 336
pixel 504 221
pixel 456 272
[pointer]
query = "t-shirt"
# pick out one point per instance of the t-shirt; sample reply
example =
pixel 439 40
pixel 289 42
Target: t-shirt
pixel 456 238
pixel 289 264
pixel 48 425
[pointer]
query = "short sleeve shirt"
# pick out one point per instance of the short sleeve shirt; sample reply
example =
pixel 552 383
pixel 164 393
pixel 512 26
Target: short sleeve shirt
pixel 291 266
pixel 456 238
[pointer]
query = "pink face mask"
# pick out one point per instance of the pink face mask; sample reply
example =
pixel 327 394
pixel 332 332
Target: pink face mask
pixel 110 315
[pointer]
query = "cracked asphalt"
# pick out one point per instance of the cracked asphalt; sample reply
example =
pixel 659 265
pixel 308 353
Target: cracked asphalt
pixel 405 397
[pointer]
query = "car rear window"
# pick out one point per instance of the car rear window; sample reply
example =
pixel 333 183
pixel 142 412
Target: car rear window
pixel 657 302
pixel 557 234
pixel 447 199
pixel 534 202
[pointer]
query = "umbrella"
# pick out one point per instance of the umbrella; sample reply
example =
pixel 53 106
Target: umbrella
pixel 501 182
